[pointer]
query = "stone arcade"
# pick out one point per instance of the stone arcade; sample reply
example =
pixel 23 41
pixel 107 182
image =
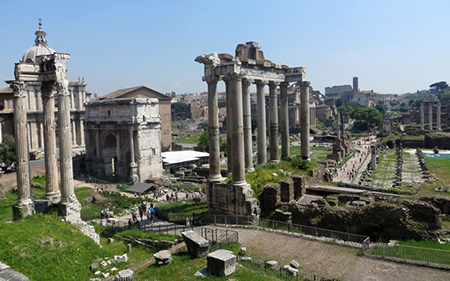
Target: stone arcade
pixel 48 71
pixel 239 72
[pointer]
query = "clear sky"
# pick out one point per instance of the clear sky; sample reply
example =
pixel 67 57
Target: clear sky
pixel 393 46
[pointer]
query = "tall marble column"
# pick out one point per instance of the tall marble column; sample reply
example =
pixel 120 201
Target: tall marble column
pixel 133 166
pixel 24 202
pixel 247 125
pixel 82 132
pixel 304 114
pixel 51 161
pixel 71 206
pixel 273 123
pixel 284 115
pixel 213 127
pixel 237 132
pixel 422 116
pixel 438 116
pixel 261 122
pixel 41 135
pixel 229 90
pixel 430 115
pixel 74 133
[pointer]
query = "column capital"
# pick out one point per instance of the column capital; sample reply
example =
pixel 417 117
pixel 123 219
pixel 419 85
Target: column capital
pixel 233 76
pixel 273 84
pixel 304 83
pixel 284 84
pixel 261 82
pixel 18 88
pixel 247 81
pixel 212 79
pixel 62 87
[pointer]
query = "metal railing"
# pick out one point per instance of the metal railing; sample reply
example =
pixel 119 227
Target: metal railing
pixel 427 256
pixel 279 272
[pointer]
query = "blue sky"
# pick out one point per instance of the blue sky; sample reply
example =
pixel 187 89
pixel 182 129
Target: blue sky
pixel 392 46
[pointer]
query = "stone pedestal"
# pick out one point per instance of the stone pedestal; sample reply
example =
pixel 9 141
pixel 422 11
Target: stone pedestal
pixel 70 210
pixel 221 263
pixel 125 275
pixel 21 211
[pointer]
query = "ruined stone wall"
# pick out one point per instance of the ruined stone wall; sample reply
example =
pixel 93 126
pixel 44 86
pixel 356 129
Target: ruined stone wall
pixel 413 143
pixel 379 220
pixel 441 140
pixel 317 175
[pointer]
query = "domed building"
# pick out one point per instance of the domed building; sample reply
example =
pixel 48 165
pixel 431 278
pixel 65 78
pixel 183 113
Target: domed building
pixel 35 130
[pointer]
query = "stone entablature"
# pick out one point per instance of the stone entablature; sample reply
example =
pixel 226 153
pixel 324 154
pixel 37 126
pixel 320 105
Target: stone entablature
pixel 123 138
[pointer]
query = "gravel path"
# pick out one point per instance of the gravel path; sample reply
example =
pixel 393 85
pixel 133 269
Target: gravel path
pixel 329 260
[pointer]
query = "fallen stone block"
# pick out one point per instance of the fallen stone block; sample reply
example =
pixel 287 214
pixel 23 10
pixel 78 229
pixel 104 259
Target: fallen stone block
pixel 197 245
pixel 271 264
pixel 221 263
pixel 294 264
pixel 243 251
pixel 163 257
pixel 290 270
pixel 125 275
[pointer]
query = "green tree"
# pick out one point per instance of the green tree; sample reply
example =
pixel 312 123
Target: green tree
pixel 203 142
pixel 440 86
pixel 7 150
pixel 366 117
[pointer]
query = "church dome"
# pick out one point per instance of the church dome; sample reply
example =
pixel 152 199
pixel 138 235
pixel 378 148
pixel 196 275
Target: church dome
pixel 40 47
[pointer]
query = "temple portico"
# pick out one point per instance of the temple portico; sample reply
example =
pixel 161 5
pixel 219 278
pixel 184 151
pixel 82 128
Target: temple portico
pixel 239 72
pixel 431 101
pixel 49 71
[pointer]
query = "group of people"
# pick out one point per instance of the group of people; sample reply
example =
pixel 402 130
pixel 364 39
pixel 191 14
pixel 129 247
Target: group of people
pixel 104 213
pixel 190 220
pixel 149 212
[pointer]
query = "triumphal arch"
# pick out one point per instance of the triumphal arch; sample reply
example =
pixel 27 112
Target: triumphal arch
pixel 247 67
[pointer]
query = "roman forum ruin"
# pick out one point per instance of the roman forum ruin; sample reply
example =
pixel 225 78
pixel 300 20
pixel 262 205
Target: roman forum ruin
pixel 49 71
pixel 238 72
pixel 430 100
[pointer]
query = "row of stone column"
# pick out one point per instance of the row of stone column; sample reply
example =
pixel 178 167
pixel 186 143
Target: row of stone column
pixel 430 115
pixel 239 133
pixel 53 193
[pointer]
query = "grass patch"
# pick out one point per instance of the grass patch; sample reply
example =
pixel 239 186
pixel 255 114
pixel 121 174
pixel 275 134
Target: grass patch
pixel 39 180
pixel 44 248
pixel 188 139
pixel 148 235
pixel 11 199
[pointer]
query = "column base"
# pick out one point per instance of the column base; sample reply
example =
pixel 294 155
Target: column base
pixel 70 211
pixel 250 170
pixel 53 197
pixel 274 161
pixel 215 178
pixel 21 211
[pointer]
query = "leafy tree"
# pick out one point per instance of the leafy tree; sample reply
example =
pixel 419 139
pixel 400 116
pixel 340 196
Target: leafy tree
pixel 440 86
pixel 7 150
pixel 203 142
pixel 366 117
pixel 222 103
pixel 381 108
pixel 180 110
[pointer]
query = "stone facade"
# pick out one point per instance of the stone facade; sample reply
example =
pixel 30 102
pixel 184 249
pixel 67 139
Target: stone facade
pixel 164 108
pixel 123 138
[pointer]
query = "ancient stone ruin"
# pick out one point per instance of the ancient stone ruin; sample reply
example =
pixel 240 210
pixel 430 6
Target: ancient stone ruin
pixel 239 72
pixel 49 71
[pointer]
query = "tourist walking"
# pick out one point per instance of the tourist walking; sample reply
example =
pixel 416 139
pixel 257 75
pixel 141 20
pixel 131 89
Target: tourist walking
pixel 188 224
